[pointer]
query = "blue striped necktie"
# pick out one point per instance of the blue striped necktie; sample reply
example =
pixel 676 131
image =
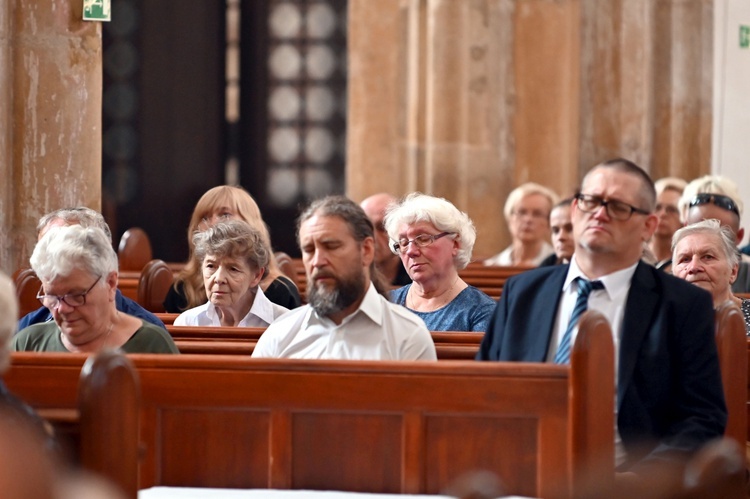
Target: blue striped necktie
pixel 582 302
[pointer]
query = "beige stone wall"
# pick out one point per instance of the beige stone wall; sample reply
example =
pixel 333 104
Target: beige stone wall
pixel 50 117
pixel 468 98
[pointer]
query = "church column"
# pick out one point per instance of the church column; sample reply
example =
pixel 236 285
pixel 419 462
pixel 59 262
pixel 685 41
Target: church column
pixel 467 99
pixel 50 117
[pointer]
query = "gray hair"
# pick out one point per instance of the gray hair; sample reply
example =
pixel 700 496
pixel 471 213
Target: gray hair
pixel 8 319
pixel 235 239
pixel 712 227
pixel 418 207
pixel 65 249
pixel 80 215
pixel 527 189
pixel 709 184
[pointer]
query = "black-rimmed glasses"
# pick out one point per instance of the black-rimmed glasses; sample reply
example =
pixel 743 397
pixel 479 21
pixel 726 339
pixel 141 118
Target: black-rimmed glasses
pixel 402 245
pixel 723 202
pixel 70 299
pixel 617 210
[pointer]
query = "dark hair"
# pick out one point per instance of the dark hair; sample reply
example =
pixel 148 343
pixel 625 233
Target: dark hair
pixel 356 219
pixel 648 193
pixel 564 202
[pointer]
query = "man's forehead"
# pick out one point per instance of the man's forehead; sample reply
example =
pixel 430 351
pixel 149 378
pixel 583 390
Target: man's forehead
pixel 331 227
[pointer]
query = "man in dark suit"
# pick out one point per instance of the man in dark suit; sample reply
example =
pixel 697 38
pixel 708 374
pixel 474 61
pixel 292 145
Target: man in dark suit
pixel 669 394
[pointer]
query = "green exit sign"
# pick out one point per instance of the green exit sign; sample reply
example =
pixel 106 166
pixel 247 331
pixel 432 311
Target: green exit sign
pixel 97 10
pixel 744 36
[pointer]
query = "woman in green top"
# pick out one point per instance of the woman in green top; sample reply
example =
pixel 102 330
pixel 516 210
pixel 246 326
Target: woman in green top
pixel 78 268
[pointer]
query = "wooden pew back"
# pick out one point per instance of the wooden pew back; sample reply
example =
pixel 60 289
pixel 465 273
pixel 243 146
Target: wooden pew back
pixel 408 427
pixel 134 250
pixel 455 345
pixel 94 400
pixel 730 337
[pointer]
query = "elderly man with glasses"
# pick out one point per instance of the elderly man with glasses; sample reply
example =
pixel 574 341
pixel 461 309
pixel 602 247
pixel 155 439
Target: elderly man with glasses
pixel 717 197
pixel 669 394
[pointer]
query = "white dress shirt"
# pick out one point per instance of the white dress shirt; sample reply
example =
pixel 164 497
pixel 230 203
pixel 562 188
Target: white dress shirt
pixel 377 330
pixel 610 301
pixel 261 314
pixel 505 257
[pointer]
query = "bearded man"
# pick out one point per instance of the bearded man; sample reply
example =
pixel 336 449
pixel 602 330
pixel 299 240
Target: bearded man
pixel 348 315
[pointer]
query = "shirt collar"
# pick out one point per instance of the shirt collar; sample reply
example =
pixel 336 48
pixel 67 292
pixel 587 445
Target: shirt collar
pixel 262 308
pixel 371 306
pixel 614 283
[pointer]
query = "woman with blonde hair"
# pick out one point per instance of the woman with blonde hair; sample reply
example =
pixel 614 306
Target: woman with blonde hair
pixel 224 203
pixel 527 211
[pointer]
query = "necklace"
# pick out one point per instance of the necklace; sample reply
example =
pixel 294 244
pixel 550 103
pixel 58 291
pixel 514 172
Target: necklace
pixel 447 291
pixel 106 336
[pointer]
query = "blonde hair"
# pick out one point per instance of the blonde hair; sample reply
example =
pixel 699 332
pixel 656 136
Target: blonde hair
pixel 239 201
pixel 525 190
pixel 710 184
pixel 670 184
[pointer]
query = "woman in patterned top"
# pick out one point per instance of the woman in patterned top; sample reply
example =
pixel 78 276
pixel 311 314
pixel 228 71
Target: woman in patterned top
pixel 705 254
pixel 434 240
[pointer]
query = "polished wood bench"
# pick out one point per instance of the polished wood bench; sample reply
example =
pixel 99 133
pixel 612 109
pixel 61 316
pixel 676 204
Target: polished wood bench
pixel 94 403
pixel 402 427
pixel 456 345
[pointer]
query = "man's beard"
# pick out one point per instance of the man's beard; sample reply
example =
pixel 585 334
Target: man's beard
pixel 346 291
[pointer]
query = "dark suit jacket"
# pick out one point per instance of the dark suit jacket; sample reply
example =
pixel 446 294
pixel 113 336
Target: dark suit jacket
pixel 669 394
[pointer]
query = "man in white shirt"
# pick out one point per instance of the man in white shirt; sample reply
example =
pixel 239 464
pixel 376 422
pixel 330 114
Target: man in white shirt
pixel 348 315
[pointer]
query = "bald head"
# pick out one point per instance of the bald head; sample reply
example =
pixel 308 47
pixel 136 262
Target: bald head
pixel 374 207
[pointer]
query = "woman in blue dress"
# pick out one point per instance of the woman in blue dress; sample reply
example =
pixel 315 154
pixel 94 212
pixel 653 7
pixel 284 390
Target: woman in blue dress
pixel 434 240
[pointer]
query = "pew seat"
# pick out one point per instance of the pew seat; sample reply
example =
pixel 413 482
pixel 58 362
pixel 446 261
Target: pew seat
pixel 241 341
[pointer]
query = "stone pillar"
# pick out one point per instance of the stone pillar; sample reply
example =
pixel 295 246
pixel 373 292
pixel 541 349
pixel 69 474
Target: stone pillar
pixel 50 117
pixel 466 99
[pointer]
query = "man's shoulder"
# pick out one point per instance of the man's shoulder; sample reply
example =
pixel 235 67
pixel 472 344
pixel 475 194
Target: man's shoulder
pixel 131 307
pixel 42 314
pixel 667 286
pixel 537 276
pixel 645 272
pixel 400 313
pixel 284 321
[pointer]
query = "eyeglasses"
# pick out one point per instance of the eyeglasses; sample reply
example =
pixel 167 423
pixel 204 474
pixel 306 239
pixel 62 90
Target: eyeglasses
pixel 402 245
pixel 617 210
pixel 70 299
pixel 723 202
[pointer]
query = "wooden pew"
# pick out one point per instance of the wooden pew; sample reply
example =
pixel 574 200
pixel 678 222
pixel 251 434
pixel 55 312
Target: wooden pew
pixel 27 286
pixel 95 402
pixel 153 285
pixel 489 279
pixel 128 283
pixel 402 427
pixel 730 337
pixel 134 250
pixel 456 345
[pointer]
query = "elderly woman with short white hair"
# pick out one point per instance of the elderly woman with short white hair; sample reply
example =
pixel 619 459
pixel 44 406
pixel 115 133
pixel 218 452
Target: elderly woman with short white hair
pixel 79 270
pixel 705 254
pixel 234 259
pixel 434 240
